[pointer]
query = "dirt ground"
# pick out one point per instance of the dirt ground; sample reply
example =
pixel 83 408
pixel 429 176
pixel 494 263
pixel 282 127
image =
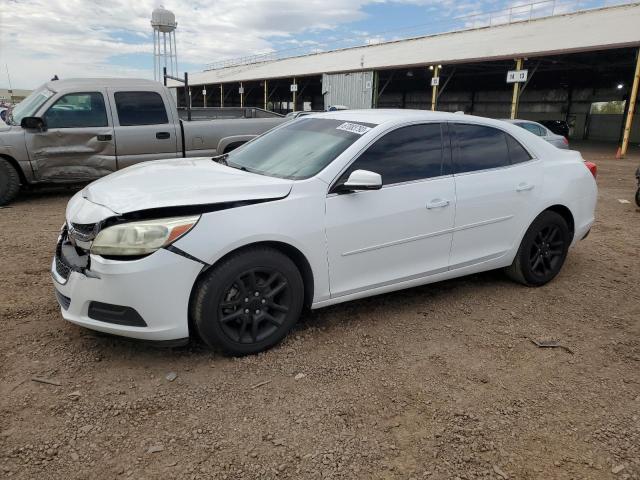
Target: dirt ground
pixel 435 382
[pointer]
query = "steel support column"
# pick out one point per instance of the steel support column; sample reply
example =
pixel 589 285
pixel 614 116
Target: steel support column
pixel 266 94
pixel 221 95
pixel 434 88
pixel 294 95
pixel 516 92
pixel 633 98
pixel 241 95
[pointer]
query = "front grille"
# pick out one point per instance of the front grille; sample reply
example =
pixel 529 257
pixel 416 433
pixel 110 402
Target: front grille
pixel 63 301
pixel 62 268
pixel 84 232
pixel 68 258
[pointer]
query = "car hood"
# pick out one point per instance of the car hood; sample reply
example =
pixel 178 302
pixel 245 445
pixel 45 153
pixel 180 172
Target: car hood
pixel 181 182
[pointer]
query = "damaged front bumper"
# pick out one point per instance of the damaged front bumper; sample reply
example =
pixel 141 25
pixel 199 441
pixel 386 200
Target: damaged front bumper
pixel 146 298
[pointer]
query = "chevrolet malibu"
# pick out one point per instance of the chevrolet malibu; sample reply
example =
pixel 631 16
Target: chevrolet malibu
pixel 324 209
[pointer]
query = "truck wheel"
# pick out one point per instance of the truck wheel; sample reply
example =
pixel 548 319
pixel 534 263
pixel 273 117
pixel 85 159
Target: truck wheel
pixel 9 182
pixel 248 302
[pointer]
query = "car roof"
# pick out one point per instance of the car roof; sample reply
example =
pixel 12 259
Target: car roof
pixel 398 116
pixel 380 116
pixel 73 83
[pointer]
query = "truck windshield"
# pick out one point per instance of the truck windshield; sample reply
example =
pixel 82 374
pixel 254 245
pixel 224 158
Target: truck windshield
pixel 299 149
pixel 30 105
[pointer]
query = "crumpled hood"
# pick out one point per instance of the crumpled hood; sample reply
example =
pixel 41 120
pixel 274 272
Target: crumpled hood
pixel 181 182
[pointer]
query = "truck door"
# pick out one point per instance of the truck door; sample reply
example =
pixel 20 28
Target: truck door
pixel 78 143
pixel 144 127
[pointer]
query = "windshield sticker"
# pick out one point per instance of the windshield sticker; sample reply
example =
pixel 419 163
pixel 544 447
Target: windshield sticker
pixel 353 128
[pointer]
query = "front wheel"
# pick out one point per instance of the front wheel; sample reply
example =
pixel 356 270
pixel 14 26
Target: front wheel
pixel 9 182
pixel 542 252
pixel 248 302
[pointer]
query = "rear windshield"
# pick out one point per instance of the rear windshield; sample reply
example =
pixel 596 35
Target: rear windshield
pixel 299 149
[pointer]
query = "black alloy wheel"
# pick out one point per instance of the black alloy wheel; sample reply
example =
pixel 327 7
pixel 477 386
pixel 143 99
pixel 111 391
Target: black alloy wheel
pixel 249 301
pixel 254 305
pixel 547 251
pixel 543 250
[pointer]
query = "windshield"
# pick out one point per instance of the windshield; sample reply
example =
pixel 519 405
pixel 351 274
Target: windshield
pixel 299 149
pixel 30 105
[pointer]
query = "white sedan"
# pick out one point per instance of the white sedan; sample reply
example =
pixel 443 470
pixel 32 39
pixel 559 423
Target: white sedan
pixel 325 209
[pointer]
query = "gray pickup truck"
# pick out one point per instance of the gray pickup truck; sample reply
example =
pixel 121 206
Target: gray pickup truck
pixel 77 130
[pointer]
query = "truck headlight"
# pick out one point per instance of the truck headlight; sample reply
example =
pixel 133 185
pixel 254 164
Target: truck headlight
pixel 141 238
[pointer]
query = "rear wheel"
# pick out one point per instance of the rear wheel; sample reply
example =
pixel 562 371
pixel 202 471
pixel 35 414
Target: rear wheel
pixel 9 182
pixel 249 302
pixel 542 252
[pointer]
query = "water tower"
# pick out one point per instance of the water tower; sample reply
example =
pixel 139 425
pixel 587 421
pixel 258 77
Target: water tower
pixel 164 26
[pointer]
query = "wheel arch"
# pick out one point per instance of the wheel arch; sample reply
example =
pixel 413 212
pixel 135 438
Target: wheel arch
pixel 562 210
pixel 14 163
pixel 233 141
pixel 298 258
pixel 565 213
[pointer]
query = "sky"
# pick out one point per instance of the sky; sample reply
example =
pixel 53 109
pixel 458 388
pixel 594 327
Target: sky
pixel 85 38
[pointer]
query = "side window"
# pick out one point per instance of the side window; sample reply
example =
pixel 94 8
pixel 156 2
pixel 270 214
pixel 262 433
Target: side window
pixel 480 148
pixel 517 153
pixel 77 110
pixel 408 153
pixel 140 108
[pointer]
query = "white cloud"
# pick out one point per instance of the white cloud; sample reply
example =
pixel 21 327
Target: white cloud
pixel 40 38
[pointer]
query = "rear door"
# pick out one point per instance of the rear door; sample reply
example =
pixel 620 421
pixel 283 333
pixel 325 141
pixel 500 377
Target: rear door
pixel 78 144
pixel 144 128
pixel 498 184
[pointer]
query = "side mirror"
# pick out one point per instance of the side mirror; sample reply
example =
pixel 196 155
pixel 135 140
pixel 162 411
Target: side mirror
pixel 34 123
pixel 361 180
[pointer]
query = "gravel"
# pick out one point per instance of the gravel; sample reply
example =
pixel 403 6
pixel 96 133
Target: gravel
pixel 436 382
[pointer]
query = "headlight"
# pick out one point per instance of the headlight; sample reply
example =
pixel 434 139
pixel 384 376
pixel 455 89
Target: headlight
pixel 141 238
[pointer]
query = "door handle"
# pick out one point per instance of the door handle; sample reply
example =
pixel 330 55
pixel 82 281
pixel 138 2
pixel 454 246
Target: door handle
pixel 163 135
pixel 524 187
pixel 437 203
pixel 105 138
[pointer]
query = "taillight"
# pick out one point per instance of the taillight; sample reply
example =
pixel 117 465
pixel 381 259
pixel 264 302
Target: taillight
pixel 566 140
pixel 593 168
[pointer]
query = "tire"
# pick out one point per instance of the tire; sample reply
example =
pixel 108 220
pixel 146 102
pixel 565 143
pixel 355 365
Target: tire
pixel 9 182
pixel 249 302
pixel 638 197
pixel 542 252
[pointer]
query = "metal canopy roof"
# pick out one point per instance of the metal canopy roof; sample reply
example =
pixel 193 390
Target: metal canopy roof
pixel 605 28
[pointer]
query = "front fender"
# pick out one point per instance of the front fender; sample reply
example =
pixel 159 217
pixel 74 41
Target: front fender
pixel 14 150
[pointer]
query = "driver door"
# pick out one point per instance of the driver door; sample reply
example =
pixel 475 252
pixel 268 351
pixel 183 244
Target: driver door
pixel 78 144
pixel 402 231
